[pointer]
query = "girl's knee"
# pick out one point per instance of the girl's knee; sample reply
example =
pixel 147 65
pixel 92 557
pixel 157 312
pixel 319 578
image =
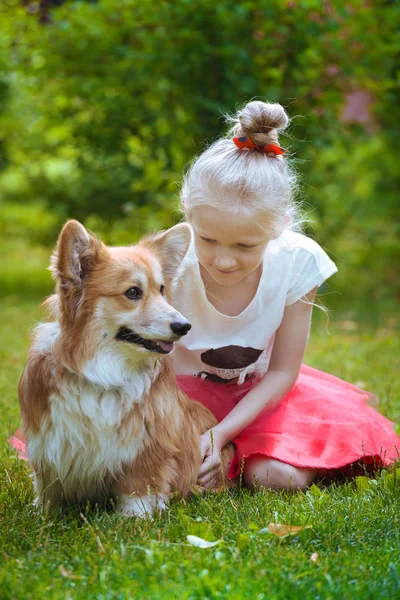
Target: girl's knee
pixel 275 474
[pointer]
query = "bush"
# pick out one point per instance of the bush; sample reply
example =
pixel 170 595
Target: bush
pixel 103 106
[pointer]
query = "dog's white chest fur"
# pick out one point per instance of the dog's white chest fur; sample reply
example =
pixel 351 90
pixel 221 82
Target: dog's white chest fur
pixel 91 430
pixel 86 439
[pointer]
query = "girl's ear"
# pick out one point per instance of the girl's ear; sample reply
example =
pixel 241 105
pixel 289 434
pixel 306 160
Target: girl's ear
pixel 76 253
pixel 170 247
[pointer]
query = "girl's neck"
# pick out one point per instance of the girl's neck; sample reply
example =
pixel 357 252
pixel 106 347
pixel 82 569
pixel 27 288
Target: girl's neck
pixel 231 300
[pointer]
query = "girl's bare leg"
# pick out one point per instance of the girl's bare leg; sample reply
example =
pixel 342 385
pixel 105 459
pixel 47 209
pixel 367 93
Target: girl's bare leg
pixel 260 471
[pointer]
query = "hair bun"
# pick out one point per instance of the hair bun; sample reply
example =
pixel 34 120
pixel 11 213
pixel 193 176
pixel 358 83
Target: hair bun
pixel 260 121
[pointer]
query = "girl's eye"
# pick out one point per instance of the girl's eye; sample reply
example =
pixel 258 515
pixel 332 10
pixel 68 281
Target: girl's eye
pixel 208 240
pixel 246 246
pixel 134 293
pixel 162 289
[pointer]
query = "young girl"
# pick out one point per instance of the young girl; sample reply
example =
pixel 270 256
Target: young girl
pixel 247 287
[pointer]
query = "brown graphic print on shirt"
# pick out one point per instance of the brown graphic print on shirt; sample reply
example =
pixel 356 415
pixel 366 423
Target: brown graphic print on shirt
pixel 227 362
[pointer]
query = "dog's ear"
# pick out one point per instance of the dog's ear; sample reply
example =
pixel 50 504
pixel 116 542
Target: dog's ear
pixel 76 253
pixel 170 247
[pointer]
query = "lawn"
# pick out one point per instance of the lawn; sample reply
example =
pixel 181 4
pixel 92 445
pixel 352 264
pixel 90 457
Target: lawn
pixel 351 548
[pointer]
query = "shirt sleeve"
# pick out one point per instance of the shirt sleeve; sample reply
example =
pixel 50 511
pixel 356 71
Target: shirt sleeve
pixel 311 267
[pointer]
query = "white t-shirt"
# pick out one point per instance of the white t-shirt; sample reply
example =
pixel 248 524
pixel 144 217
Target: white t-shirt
pixel 224 348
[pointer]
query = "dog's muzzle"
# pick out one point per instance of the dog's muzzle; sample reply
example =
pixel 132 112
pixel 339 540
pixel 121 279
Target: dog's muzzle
pixel 179 328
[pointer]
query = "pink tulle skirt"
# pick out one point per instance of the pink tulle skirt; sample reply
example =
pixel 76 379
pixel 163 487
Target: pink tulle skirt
pixel 323 423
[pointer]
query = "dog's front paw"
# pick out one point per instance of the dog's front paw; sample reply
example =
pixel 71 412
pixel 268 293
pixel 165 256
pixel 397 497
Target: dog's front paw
pixel 141 506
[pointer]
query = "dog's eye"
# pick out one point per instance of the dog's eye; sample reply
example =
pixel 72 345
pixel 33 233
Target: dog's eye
pixel 162 289
pixel 134 293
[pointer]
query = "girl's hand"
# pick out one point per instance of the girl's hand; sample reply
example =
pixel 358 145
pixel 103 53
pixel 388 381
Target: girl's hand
pixel 210 449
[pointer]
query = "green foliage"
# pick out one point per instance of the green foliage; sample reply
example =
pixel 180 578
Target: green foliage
pixel 102 107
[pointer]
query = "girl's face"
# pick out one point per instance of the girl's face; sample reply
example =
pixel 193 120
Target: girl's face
pixel 228 246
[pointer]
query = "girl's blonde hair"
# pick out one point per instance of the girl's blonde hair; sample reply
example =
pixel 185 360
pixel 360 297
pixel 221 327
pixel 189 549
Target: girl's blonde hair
pixel 245 181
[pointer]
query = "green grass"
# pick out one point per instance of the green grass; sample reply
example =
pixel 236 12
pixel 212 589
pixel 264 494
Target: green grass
pixel 98 555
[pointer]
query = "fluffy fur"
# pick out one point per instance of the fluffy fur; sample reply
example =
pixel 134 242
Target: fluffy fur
pixel 101 411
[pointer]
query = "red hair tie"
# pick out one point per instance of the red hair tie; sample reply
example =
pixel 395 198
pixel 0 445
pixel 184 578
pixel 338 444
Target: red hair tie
pixel 269 149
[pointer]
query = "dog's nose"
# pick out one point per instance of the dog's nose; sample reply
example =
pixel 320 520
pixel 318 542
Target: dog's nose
pixel 180 327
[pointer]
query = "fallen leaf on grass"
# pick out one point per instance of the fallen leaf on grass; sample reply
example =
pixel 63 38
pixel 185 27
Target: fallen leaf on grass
pixel 285 530
pixel 199 542
pixel 362 483
pixel 314 557
pixel 65 573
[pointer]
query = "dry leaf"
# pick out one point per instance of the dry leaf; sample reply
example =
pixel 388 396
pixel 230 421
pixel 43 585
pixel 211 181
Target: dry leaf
pixel 314 557
pixel 285 530
pixel 64 572
pixel 199 542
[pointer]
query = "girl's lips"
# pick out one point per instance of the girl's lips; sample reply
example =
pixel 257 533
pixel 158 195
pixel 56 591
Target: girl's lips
pixel 225 272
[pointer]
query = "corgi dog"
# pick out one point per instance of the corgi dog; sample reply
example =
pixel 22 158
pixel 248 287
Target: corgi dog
pixel 101 412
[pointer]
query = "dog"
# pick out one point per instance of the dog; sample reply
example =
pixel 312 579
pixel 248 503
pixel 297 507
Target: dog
pixel 101 411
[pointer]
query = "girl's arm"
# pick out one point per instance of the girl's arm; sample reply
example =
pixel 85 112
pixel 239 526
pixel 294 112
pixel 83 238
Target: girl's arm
pixel 287 356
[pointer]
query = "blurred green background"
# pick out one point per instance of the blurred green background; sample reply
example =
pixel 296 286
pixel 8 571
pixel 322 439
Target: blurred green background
pixel 103 104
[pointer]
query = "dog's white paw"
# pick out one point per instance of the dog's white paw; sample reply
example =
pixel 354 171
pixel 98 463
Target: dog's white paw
pixel 141 506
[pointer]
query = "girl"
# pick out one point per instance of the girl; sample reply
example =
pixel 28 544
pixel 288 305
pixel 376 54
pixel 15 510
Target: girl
pixel 247 286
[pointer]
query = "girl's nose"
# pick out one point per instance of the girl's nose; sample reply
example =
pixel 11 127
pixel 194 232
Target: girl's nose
pixel 224 261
